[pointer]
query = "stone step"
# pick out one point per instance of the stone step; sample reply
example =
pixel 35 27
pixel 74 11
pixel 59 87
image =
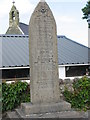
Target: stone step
pixel 64 115
pixel 13 114
pixel 70 115
pixel 20 113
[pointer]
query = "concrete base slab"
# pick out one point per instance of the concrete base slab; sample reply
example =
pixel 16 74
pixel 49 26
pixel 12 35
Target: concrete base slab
pixel 70 115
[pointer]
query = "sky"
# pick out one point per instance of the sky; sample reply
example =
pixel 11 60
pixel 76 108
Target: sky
pixel 67 13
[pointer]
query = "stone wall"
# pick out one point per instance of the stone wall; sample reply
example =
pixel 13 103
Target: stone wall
pixel 66 83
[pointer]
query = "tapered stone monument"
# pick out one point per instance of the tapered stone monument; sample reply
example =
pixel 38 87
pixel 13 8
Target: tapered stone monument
pixel 43 56
pixel 44 80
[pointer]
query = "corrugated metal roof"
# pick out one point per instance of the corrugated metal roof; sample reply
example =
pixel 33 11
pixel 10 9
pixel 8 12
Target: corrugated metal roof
pixel 15 51
pixel 71 52
pixel 24 27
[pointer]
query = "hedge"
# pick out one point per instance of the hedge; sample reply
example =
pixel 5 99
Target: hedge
pixel 80 97
pixel 14 94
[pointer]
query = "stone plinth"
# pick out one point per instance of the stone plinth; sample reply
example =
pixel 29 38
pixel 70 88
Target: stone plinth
pixel 29 108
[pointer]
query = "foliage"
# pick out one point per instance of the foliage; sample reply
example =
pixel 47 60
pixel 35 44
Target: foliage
pixel 80 97
pixel 86 10
pixel 13 94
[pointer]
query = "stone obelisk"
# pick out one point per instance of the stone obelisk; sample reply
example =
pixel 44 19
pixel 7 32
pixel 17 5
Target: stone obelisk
pixel 43 56
pixel 44 84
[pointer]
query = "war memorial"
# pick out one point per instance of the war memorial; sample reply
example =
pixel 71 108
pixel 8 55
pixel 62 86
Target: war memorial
pixel 44 86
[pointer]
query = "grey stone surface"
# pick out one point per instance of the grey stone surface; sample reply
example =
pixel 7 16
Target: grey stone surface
pixel 28 108
pixel 64 114
pixel 12 115
pixel 43 56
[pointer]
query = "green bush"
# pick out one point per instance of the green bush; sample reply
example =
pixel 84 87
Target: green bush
pixel 13 94
pixel 80 97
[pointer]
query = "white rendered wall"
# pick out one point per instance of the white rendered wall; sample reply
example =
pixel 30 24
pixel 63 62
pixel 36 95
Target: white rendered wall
pixel 62 73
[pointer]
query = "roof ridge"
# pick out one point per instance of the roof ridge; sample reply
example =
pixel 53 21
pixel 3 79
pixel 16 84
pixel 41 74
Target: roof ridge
pixel 63 36
pixel 76 42
pixel 23 23
pixel 15 35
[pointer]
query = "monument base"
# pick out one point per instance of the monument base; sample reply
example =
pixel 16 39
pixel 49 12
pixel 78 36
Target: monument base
pixel 28 108
pixel 63 115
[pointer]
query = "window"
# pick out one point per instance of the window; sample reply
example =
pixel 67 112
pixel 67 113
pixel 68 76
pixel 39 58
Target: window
pixel 72 71
pixel 15 73
pixel 13 15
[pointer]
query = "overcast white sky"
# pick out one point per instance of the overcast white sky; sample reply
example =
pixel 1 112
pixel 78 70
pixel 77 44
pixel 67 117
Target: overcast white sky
pixel 67 13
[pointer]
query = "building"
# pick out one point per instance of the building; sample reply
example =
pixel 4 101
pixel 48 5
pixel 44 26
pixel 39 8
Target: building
pixel 72 56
